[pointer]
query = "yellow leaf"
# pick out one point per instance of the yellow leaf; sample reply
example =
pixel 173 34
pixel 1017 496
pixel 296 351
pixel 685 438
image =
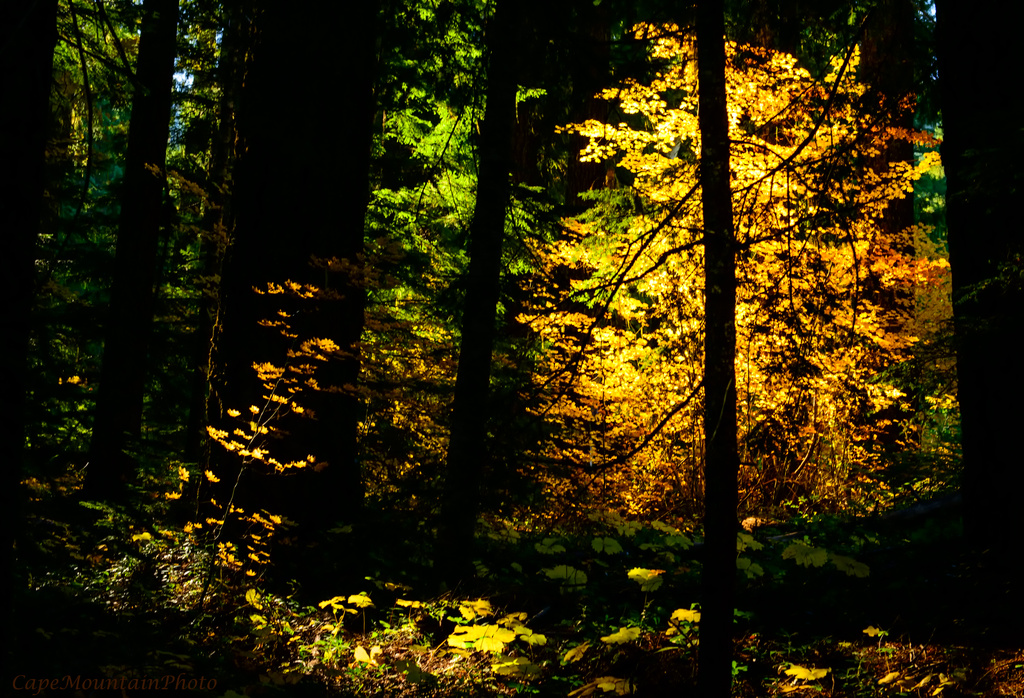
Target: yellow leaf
pixel 681 615
pixel 361 655
pixel 889 678
pixel 649 580
pixel 489 644
pixel 529 636
pixel 923 682
pixel 576 653
pixel 606 684
pixel 408 604
pixel 622 636
pixel 472 609
pixel 360 600
pixel 872 631
pixel 252 597
pixel 806 673
pixel 515 666
pixel 211 477
pixel 482 637
pixel 334 603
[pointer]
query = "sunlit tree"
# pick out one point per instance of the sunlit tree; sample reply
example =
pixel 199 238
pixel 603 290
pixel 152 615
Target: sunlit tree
pixel 811 344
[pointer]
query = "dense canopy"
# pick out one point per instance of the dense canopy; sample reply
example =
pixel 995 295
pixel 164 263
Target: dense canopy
pixel 483 347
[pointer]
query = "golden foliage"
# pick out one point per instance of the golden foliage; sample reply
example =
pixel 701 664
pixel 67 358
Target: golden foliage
pixel 826 300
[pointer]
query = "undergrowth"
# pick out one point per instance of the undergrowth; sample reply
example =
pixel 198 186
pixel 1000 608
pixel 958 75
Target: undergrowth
pixel 828 606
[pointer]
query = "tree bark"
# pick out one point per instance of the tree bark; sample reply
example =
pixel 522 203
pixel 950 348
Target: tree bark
pixel 216 226
pixel 721 460
pixel 887 66
pixel 467 446
pixel 302 174
pixel 982 149
pixel 27 40
pixel 130 316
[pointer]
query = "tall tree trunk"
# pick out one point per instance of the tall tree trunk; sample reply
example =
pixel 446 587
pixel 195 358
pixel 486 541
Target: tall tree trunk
pixel 130 316
pixel 467 446
pixel 216 227
pixel 27 39
pixel 887 66
pixel 302 191
pixel 590 67
pixel 721 460
pixel 982 150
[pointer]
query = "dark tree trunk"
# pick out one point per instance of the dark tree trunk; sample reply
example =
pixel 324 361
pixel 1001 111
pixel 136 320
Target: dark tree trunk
pixel 887 66
pixel 128 326
pixel 590 56
pixel 721 460
pixel 467 446
pixel 217 223
pixel 302 176
pixel 982 150
pixel 27 39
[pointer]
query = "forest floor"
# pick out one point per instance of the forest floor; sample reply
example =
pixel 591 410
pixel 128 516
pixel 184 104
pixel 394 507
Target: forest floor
pixel 931 617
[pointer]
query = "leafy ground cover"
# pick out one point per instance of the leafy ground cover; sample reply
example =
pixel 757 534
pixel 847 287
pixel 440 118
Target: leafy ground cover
pixel 828 606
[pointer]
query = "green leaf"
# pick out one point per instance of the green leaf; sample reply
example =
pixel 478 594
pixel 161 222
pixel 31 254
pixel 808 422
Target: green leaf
pixel 679 541
pixel 745 540
pixel 572 577
pixel 549 546
pixel 606 545
pixel 850 566
pixel 806 555
pixel 412 671
pixel 750 568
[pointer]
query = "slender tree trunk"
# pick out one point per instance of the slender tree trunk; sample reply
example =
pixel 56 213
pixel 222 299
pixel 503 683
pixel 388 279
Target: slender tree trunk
pixel 467 446
pixel 128 327
pixel 216 227
pixel 589 66
pixel 887 66
pixel 721 464
pixel 982 150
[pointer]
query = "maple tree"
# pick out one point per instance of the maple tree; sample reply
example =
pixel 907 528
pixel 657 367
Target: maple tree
pixel 812 346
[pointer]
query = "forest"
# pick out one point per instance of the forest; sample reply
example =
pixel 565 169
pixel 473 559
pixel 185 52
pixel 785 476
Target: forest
pixel 505 347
